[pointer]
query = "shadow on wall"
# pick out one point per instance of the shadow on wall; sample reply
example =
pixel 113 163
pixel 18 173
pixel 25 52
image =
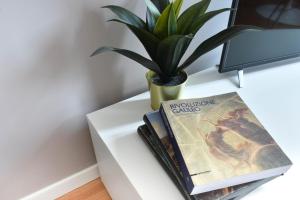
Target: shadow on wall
pixel 106 80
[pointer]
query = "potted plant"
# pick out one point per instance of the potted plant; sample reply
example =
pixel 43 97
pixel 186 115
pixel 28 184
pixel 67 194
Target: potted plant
pixel 166 34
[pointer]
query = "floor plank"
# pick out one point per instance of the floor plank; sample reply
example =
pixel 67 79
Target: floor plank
pixel 93 190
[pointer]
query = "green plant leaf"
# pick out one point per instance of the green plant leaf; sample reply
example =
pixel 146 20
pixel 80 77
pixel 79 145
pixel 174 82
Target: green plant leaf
pixel 161 26
pixel 201 20
pixel 214 42
pixel 166 23
pixel 149 64
pixel 170 52
pixel 172 22
pixel 177 6
pixel 161 4
pixel 187 18
pixel 149 41
pixel 151 18
pixel 151 21
pixel 127 16
pixel 153 9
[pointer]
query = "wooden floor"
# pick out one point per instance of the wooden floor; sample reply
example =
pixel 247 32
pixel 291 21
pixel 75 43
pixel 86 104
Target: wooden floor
pixel 93 190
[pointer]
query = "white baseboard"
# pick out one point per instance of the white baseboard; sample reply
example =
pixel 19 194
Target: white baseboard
pixel 66 185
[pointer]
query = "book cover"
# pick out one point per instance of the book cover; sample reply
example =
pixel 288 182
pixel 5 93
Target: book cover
pixel 158 141
pixel 219 142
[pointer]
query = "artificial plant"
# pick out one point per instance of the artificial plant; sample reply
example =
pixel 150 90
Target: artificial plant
pixel 166 34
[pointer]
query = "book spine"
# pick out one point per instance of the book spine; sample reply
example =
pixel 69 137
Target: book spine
pixel 183 168
pixel 171 174
pixel 153 132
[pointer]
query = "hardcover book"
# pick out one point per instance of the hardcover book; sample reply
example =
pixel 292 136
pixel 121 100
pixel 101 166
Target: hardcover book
pixel 155 136
pixel 218 142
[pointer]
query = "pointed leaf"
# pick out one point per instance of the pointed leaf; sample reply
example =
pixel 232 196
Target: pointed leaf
pixel 177 6
pixel 127 16
pixel 214 42
pixel 166 23
pixel 149 41
pixel 186 19
pixel 161 4
pixel 153 9
pixel 132 55
pixel 161 26
pixel 172 22
pixel 170 52
pixel 201 20
pixel 151 21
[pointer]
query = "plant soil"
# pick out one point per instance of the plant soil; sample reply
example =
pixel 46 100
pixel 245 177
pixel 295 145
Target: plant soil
pixel 173 81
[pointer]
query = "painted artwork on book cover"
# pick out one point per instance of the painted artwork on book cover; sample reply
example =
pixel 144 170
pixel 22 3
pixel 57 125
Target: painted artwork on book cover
pixel 156 122
pixel 220 138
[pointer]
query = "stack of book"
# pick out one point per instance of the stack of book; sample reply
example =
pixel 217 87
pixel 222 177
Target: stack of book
pixel 213 147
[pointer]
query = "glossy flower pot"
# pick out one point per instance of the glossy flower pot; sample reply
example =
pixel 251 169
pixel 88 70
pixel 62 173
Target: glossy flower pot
pixel 159 93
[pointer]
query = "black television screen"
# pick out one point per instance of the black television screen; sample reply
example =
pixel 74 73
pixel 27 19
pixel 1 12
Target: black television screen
pixel 279 40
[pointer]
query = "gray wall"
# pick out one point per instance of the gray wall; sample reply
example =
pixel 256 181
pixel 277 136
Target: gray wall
pixel 48 84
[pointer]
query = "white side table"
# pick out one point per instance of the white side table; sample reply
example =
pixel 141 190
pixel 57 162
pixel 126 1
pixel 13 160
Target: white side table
pixel 129 170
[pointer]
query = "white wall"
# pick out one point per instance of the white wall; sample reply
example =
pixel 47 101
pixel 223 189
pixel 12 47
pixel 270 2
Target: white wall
pixel 48 83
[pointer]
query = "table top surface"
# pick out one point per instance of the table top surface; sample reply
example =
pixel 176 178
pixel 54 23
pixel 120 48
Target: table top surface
pixel 273 94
